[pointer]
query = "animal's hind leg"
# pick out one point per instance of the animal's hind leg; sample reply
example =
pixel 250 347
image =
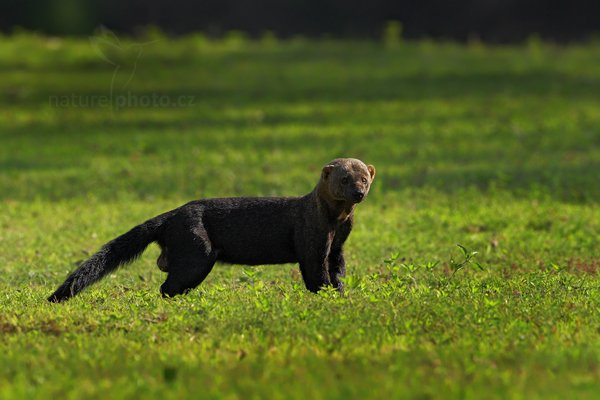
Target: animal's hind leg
pixel 186 274
pixel 161 261
pixel 188 250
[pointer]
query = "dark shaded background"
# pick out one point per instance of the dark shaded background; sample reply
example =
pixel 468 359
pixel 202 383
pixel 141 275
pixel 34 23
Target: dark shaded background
pixel 489 20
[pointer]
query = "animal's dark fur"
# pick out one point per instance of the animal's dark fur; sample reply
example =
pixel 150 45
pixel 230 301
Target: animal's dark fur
pixel 310 230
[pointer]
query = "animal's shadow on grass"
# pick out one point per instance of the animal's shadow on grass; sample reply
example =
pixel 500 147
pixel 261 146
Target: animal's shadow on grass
pixel 267 89
pixel 42 174
pixel 33 169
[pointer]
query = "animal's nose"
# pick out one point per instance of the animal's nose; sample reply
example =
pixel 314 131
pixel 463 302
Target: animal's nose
pixel 358 195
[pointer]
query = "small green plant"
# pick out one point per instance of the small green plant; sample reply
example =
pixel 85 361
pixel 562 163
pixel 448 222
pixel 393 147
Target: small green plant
pixel 468 258
pixel 353 282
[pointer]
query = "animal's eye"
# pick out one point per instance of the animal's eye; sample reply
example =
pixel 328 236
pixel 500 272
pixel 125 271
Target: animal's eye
pixel 344 180
pixel 364 180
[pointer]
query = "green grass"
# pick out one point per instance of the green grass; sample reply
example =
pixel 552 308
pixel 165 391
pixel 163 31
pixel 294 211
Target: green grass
pixel 493 148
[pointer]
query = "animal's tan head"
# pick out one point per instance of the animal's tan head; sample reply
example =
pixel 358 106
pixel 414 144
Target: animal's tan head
pixel 348 179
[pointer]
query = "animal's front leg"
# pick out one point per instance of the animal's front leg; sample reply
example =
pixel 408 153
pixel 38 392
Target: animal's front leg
pixel 314 262
pixel 337 264
pixel 315 275
pixel 337 268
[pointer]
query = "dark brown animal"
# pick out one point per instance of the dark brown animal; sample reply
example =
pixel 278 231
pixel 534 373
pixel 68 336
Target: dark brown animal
pixel 310 230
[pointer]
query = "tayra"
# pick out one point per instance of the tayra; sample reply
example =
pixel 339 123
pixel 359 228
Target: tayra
pixel 310 230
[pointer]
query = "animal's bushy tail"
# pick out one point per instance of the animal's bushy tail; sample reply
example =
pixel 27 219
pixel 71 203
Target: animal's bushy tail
pixel 120 251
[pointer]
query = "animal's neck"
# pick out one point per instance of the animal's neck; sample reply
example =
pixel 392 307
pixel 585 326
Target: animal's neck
pixel 335 209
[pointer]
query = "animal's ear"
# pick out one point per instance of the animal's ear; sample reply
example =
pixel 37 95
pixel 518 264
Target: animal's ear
pixel 371 171
pixel 326 171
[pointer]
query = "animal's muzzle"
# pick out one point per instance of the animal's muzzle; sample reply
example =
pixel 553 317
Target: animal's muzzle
pixel 358 196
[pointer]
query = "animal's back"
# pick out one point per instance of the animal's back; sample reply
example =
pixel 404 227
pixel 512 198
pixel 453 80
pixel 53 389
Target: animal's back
pixel 251 230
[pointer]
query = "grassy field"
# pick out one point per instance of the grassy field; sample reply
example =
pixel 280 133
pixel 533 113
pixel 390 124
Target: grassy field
pixel 493 148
